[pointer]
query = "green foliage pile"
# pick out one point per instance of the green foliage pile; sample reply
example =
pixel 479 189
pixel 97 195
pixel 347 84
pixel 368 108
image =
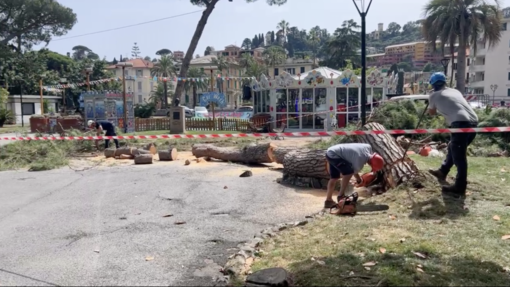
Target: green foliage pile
pixel 42 155
pixel 406 114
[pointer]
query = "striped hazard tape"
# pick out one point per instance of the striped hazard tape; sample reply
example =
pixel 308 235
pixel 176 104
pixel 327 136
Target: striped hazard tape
pixel 288 134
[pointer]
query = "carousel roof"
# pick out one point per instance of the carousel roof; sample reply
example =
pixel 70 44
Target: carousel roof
pixel 324 71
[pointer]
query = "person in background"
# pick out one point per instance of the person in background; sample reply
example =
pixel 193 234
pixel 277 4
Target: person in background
pixel 346 161
pixel 104 126
pixel 452 105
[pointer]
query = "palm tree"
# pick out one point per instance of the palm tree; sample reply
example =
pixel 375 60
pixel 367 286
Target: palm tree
pixel 464 22
pixel 165 67
pixel 274 56
pixel 246 60
pixel 343 45
pixel 283 27
pixel 196 79
pixel 221 64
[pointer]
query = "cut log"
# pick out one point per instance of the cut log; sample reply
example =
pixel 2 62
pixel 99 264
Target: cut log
pixel 280 152
pixel 151 147
pixel 168 155
pixel 306 168
pixel 251 154
pixel 398 168
pixel 143 159
pixel 270 277
pixel 137 151
pixel 126 156
pixel 109 152
pixel 123 150
pixel 306 163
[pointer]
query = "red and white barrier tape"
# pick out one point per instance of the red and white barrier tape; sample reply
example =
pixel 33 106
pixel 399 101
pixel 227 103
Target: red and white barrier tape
pixel 289 134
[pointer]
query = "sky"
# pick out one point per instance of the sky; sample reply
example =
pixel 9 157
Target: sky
pixel 230 22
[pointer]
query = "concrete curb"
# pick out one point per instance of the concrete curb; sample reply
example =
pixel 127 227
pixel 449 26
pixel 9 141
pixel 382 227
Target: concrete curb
pixel 239 264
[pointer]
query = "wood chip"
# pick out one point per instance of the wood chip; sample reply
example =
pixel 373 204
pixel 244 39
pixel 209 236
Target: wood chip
pixel 149 258
pixel 402 240
pixel 382 250
pixel 225 187
pixel 367 268
pixel 392 217
pixel 369 264
pixel 420 255
pixel 505 237
pixel 179 222
pixel 420 270
pixel 496 218
pixel 168 215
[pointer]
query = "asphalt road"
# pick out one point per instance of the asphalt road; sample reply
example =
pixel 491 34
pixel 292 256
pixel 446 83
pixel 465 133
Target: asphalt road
pixel 97 227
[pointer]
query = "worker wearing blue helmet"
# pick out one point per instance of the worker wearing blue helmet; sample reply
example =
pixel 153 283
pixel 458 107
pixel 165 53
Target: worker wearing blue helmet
pixel 452 105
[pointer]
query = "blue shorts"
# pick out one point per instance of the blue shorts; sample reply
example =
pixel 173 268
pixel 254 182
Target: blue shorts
pixel 339 166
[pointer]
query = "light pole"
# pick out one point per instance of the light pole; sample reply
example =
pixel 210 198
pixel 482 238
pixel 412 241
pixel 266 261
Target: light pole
pixel 445 62
pixel 88 70
pixel 363 10
pixel 124 65
pixel 493 88
pixel 63 81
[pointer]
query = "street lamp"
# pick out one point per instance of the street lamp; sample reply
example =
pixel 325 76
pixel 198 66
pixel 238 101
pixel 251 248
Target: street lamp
pixel 493 88
pixel 124 65
pixel 445 62
pixel 88 70
pixel 363 10
pixel 63 81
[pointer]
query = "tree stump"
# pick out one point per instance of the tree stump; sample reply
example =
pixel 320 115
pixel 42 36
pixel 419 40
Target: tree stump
pixel 109 152
pixel 280 152
pixel 126 156
pixel 168 155
pixel 270 277
pixel 398 167
pixel 251 154
pixel 143 159
pixel 306 168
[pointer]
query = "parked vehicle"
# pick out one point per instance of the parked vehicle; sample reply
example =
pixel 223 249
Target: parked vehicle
pixel 243 109
pixel 201 112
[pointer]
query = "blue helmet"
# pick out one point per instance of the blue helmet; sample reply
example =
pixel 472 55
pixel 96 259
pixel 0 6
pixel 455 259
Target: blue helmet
pixel 437 77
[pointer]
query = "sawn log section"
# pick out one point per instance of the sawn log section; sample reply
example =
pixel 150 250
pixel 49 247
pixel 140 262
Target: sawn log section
pixel 251 154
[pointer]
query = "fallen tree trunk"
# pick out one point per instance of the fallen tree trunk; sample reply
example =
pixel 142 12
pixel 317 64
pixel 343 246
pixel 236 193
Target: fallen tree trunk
pixel 398 168
pixel 168 155
pixel 280 152
pixel 251 154
pixel 143 159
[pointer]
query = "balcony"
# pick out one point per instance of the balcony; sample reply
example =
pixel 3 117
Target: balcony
pixel 481 52
pixel 476 68
pixel 476 83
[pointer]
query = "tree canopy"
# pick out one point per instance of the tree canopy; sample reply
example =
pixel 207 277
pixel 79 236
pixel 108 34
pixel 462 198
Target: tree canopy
pixel 30 22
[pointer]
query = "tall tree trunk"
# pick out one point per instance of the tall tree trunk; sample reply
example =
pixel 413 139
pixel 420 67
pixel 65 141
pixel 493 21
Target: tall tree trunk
pixel 461 57
pixel 165 94
pixel 194 96
pixel 193 46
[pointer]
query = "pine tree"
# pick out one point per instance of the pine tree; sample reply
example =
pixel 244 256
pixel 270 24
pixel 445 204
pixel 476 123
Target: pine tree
pixel 115 61
pixel 272 37
pixel 255 41
pixel 135 52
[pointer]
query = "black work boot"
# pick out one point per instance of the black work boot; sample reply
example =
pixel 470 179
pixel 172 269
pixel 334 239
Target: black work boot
pixel 453 191
pixel 438 174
